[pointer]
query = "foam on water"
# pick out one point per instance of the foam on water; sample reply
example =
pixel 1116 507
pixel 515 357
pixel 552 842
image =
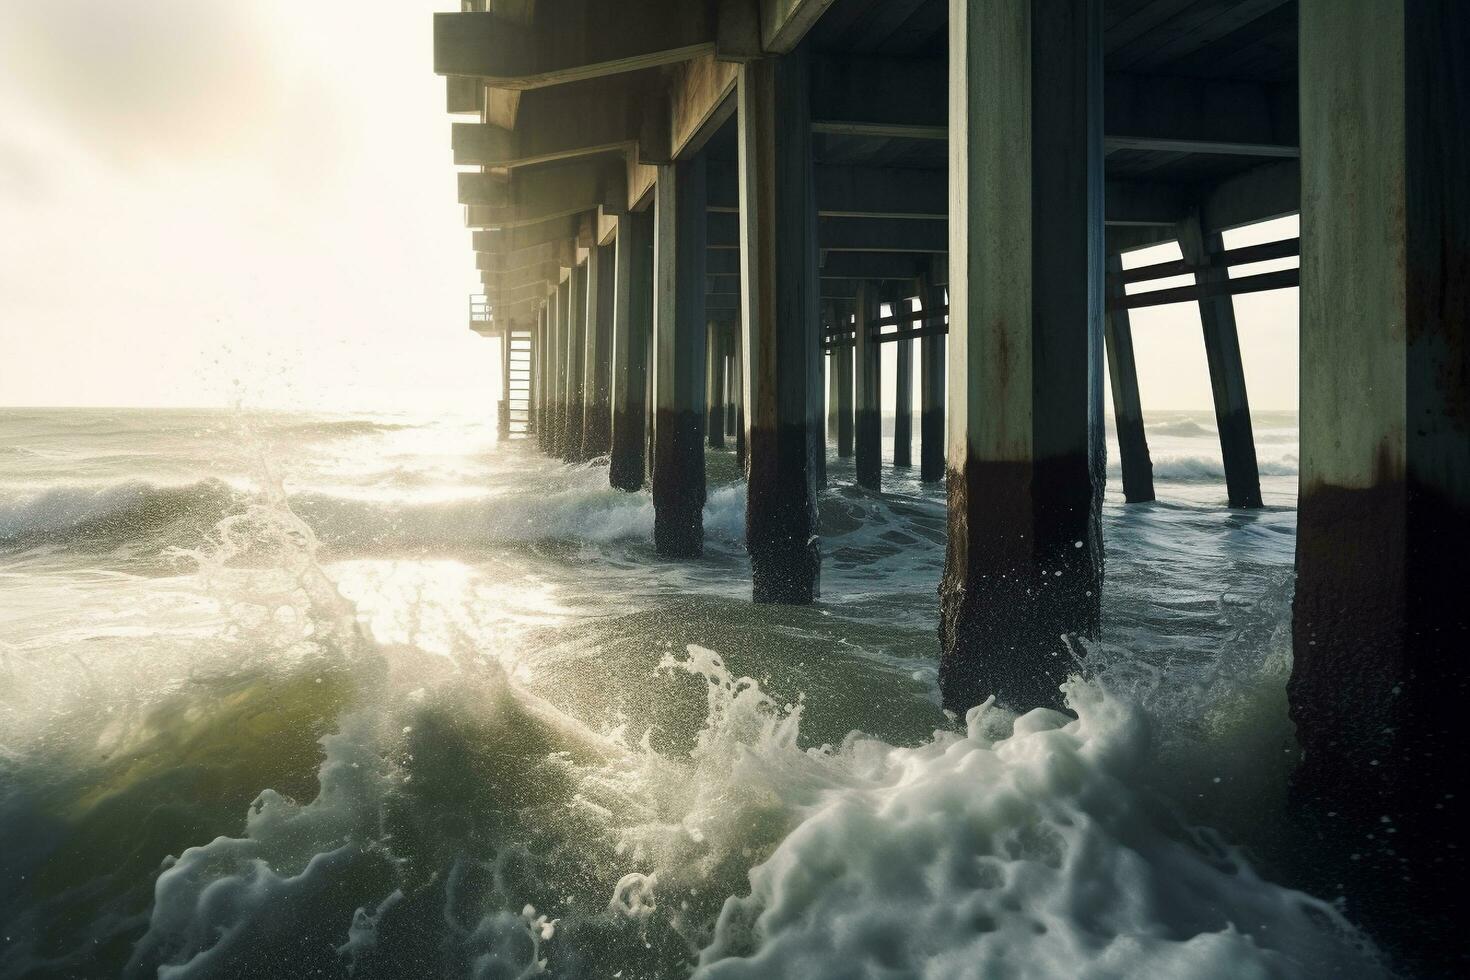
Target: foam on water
pixel 504 756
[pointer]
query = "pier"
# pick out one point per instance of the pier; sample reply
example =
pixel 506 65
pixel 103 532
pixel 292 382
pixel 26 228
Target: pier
pixel 700 221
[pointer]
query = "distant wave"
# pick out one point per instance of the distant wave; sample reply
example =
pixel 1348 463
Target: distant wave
pixel 1179 427
pixel 1199 469
pixel 340 427
pixel 145 518
pixel 105 517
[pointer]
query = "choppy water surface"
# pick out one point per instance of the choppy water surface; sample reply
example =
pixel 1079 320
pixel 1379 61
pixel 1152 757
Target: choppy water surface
pixel 288 696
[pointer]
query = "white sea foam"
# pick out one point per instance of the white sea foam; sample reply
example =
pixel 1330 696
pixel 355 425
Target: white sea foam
pixel 1021 848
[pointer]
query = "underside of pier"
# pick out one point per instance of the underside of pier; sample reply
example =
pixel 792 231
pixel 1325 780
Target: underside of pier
pixel 698 216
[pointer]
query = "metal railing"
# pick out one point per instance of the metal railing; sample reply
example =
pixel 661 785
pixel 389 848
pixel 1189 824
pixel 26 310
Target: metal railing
pixel 480 311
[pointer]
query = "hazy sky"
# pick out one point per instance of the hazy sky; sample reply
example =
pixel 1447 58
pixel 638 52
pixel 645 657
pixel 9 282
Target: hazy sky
pixel 204 202
pixel 208 200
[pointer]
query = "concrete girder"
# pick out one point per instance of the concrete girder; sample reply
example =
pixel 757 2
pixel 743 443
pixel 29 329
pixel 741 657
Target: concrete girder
pixel 908 99
pixel 574 120
pixel 590 40
pixel 549 271
pixel 515 238
pixel 533 194
pixel 513 295
pixel 488 243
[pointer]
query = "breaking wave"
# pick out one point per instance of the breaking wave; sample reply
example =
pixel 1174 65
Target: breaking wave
pixel 1201 468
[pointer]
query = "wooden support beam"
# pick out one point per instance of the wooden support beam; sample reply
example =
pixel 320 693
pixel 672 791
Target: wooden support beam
pixel 1166 144
pixel 1138 468
pixel 1266 251
pixel 1380 621
pixel 1205 289
pixel 588 40
pixel 632 332
pixel 1023 567
pixel 1227 373
pixel 678 344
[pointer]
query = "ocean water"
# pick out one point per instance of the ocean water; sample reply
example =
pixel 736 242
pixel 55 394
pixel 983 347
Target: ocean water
pixel 379 696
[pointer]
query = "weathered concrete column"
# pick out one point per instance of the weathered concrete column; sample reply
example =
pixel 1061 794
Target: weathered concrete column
pixel 679 324
pixel 537 373
pixel 1024 559
pixel 1380 623
pixel 867 378
pixel 1227 374
pixel 576 364
pixel 782 335
pixel 832 396
pixel 903 392
pixel 732 379
pixel 502 406
pixel 932 372
pixel 844 355
pixel 597 361
pixel 714 384
pixel 737 386
pixel 1138 468
pixel 632 329
pixel 561 301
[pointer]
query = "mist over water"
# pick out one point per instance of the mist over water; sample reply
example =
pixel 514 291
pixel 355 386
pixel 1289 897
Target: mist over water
pixel 375 696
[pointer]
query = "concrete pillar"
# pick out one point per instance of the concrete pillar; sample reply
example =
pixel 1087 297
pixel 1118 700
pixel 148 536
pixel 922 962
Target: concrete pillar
pixel 932 372
pixel 1138 468
pixel 502 404
pixel 903 393
pixel 576 400
pixel 714 385
pixel 1380 622
pixel 1024 560
pixel 867 379
pixel 537 350
pixel 561 300
pixel 679 324
pixel 782 336
pixel 597 362
pixel 732 379
pixel 844 355
pixel 632 329
pixel 1227 374
pixel 737 386
pixel 832 396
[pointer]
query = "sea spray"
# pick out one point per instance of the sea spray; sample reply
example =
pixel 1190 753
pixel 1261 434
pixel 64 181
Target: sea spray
pixel 1027 855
